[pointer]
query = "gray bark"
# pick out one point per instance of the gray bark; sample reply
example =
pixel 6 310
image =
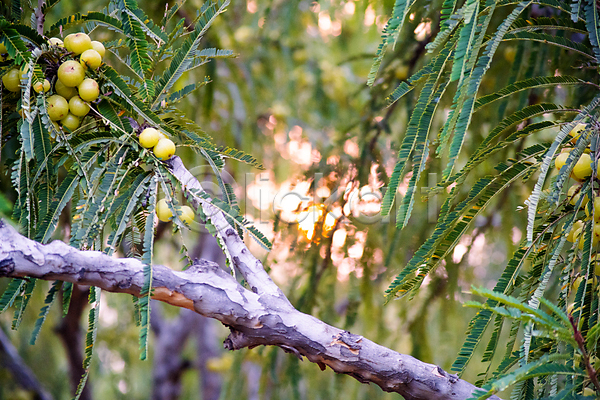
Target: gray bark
pixel 261 316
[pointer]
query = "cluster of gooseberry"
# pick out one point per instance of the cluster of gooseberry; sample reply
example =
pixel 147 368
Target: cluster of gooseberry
pixel 163 147
pixel 581 171
pixel 164 213
pixel 72 89
pixel 69 99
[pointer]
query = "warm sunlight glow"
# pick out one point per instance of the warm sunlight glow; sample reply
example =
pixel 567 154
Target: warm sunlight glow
pixel 369 16
pixel 422 30
pixel 349 8
pixel 252 6
pixel 307 220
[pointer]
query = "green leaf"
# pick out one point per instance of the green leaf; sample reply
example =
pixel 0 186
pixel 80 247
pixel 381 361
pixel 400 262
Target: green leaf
pixel 50 297
pixel 136 39
pixel 527 84
pixel 15 46
pixel 550 39
pixel 184 56
pixel 146 292
pixel 98 18
pixel 592 23
pixel 465 41
pixel 22 302
pixel 129 200
pixel 452 224
pixel 63 195
pixel 90 337
pixel 13 290
pixel 390 35
pixel 422 113
pixel 533 200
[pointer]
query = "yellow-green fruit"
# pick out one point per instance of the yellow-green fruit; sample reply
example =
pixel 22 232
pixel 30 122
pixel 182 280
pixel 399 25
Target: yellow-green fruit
pixel 163 212
pixel 589 392
pixel 71 73
pixel 149 137
pixel 575 229
pixel 58 108
pixel 401 72
pixel 39 86
pixel 574 193
pixel 596 209
pixel 12 80
pixel 70 121
pixel 187 215
pixel 578 130
pixel 561 160
pixel 64 91
pixel 56 42
pixel 596 263
pixel 78 43
pixel 90 58
pixel 3 49
pixel 99 47
pixel 164 149
pixel 576 284
pixel 583 168
pixel 89 89
pixel 78 107
pixel 510 53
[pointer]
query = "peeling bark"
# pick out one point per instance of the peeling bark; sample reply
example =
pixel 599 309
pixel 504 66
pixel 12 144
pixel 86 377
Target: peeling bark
pixel 258 317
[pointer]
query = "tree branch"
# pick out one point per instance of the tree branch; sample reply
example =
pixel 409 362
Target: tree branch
pixel 23 376
pixel 254 319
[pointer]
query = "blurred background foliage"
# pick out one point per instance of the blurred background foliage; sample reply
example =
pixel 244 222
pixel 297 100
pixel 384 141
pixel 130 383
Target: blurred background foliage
pixel 296 98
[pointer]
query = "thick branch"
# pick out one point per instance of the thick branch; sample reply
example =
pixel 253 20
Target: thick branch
pixel 254 319
pixel 249 266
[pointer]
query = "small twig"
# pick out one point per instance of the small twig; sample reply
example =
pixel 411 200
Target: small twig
pixel 586 359
pixel 39 17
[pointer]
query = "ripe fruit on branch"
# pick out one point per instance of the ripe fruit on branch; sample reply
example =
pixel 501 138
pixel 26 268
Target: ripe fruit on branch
pixel 78 107
pixel 89 89
pixel 575 229
pixel 90 59
pixel 58 108
pixel 78 42
pixel 577 130
pixel 596 210
pixel 56 42
pixel 164 149
pixel 39 86
pixel 149 137
pixel 70 121
pixel 561 160
pixel 583 167
pixel 99 47
pixel 64 91
pixel 71 73
pixel 12 80
pixel 163 212
pixel 573 194
pixel 187 214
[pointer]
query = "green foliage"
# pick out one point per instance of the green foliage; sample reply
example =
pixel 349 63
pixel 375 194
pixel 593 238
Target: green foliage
pixel 98 172
pixel 544 267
